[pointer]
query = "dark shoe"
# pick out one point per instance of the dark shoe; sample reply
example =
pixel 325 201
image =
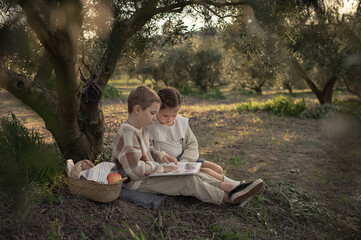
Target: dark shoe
pixel 245 202
pixel 246 190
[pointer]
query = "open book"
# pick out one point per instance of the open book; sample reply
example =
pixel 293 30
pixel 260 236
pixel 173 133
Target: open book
pixel 184 168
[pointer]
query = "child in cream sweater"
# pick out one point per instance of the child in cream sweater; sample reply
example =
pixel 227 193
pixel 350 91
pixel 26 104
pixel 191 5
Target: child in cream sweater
pixel 172 134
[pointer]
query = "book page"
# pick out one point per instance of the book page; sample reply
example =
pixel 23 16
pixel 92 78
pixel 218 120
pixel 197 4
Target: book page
pixel 184 168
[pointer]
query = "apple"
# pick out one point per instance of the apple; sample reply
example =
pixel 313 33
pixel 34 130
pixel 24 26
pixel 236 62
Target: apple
pixel 114 177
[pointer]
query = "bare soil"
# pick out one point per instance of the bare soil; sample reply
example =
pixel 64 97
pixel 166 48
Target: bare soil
pixel 312 171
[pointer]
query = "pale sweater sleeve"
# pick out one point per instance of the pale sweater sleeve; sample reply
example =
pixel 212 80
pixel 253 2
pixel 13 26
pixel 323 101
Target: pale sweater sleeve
pixel 190 153
pixel 157 155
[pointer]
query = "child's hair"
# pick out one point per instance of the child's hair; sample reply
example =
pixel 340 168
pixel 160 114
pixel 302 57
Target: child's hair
pixel 143 96
pixel 170 97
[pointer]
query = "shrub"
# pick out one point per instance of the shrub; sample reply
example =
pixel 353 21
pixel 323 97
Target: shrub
pixel 188 91
pixel 25 160
pixel 212 93
pixel 249 107
pixel 317 111
pixel 243 91
pixel 284 106
pixel 111 92
pixel 280 105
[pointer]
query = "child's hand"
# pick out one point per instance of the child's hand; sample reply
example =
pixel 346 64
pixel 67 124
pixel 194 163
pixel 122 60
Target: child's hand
pixel 169 169
pixel 168 159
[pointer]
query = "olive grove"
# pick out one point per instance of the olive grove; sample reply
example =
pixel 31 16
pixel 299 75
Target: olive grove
pixel 46 42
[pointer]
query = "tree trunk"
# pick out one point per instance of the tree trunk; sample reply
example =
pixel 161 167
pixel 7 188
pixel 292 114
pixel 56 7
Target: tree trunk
pixel 324 96
pixel 258 90
pixel 204 88
pixel 353 90
pixel 91 119
pixel 45 70
pixel 288 86
pixel 327 91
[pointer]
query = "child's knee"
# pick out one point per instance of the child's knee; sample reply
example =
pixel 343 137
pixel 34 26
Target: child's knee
pixel 206 170
pixel 218 169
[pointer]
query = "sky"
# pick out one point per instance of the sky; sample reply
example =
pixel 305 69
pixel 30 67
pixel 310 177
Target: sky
pixel 349 6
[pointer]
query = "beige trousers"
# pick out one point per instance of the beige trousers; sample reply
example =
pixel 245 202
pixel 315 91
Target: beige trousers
pixel 200 185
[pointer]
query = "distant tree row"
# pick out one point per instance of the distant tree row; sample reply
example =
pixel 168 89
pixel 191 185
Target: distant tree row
pixel 181 66
pixel 267 45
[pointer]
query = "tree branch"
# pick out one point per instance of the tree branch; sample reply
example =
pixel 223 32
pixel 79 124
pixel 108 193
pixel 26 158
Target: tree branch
pixel 121 32
pixel 177 7
pixel 33 94
pixel 82 77
pixel 217 15
pixel 86 65
pixel 219 4
pixel 38 25
pixel 8 7
pixel 305 76
pixel 44 71
pixel 348 88
pixel 60 41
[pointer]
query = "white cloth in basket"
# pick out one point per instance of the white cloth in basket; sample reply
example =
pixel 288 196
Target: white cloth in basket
pixel 98 173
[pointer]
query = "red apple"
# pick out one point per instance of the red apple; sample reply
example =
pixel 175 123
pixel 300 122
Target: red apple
pixel 114 177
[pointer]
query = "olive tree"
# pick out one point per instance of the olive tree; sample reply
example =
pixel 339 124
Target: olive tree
pixel 72 107
pixel 183 65
pixel 319 39
pixel 254 58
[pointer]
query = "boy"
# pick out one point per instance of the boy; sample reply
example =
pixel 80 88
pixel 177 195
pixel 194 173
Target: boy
pixel 135 159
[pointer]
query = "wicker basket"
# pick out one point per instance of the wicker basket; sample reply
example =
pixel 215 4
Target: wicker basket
pixel 97 192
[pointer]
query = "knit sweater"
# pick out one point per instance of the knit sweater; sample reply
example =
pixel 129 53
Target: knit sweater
pixel 189 141
pixel 133 155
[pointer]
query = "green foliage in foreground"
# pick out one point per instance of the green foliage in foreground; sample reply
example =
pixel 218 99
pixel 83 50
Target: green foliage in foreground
pixel 285 106
pixel 25 160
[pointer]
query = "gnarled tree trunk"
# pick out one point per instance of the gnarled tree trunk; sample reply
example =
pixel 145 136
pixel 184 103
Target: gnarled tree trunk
pixel 324 95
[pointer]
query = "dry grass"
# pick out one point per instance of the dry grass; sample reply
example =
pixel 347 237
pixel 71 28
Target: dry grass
pixel 312 171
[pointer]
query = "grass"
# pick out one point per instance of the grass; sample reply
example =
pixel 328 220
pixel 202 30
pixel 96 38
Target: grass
pixel 124 85
pixel 26 162
pixel 350 106
pixel 236 160
pixel 258 144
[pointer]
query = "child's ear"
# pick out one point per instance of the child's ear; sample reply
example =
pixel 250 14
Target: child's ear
pixel 137 109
